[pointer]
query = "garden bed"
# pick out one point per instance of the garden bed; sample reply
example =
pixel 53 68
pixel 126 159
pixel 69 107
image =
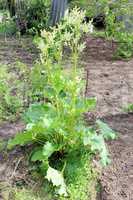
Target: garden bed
pixel 111 81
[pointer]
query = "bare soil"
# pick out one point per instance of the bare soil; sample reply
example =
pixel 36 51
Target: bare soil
pixel 14 49
pixel 117 178
pixel 8 130
pixel 111 81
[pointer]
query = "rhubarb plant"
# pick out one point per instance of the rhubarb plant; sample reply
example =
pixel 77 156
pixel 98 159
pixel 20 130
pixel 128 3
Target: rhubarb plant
pixel 56 125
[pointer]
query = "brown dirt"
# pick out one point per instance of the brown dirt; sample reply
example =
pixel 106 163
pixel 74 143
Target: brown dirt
pixel 13 50
pixel 117 178
pixel 8 130
pixel 111 81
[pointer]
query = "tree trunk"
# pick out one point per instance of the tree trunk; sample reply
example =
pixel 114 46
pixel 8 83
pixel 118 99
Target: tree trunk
pixel 58 10
pixel 11 7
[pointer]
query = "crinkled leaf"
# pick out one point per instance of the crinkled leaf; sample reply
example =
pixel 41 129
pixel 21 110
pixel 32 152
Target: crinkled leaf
pixel 98 144
pixel 57 180
pixel 36 112
pixel 20 139
pixel 105 130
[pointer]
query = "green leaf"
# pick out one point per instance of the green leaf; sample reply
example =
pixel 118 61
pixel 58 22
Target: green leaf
pixel 36 112
pixel 48 149
pixel 98 144
pixel 87 137
pixel 57 180
pixel 37 155
pixel 105 160
pixel 105 130
pixel 49 92
pixel 84 105
pixel 20 139
pixel 90 103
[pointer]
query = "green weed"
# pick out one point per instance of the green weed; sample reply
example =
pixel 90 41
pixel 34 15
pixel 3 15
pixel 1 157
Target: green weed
pixel 10 103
